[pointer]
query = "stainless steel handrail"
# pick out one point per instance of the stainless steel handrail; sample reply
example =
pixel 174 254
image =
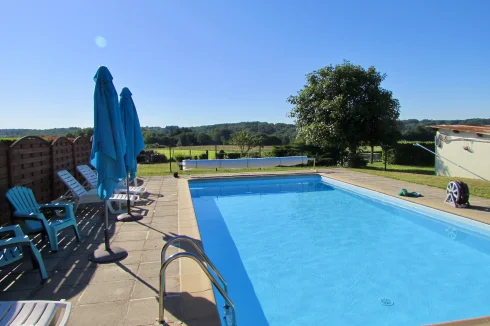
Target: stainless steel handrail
pixel 229 303
pixel 199 250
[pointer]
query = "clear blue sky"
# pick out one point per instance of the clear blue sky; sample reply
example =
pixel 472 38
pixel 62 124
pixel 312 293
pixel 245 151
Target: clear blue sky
pixel 192 62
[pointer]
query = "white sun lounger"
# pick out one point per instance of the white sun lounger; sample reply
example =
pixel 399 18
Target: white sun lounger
pixel 93 182
pixel 37 313
pixel 81 196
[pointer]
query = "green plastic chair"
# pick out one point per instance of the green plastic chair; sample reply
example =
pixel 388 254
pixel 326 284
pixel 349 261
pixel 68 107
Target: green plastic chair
pixel 11 249
pixel 28 210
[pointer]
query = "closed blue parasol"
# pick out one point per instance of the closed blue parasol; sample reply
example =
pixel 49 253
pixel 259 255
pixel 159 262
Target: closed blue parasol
pixel 134 143
pixel 132 130
pixel 109 143
pixel 108 149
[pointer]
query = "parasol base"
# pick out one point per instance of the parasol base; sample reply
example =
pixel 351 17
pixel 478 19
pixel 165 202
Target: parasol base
pixel 102 256
pixel 129 217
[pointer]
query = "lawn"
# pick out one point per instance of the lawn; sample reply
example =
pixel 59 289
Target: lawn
pixel 415 174
pixel 198 150
pixel 425 176
pixel 164 169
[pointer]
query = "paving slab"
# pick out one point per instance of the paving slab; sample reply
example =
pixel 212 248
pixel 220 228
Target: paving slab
pixel 107 314
pixel 149 287
pixel 141 312
pixel 130 236
pixel 107 292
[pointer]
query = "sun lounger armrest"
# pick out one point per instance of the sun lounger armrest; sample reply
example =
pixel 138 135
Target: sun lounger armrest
pixel 67 312
pixel 15 229
pixel 134 198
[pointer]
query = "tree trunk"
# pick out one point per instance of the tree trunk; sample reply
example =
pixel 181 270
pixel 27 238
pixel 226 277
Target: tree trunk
pixel 372 154
pixel 352 155
pixel 386 154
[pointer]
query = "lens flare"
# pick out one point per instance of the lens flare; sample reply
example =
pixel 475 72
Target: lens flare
pixel 101 42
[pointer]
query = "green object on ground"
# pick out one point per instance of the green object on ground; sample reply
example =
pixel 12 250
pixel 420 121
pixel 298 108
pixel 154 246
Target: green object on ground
pixel 404 192
pixel 425 176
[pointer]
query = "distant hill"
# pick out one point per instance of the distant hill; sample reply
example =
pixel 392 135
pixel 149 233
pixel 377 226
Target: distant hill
pixel 274 133
pixel 14 133
pixel 413 129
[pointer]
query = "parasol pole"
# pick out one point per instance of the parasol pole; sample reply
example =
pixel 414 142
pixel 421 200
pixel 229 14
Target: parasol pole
pixel 129 216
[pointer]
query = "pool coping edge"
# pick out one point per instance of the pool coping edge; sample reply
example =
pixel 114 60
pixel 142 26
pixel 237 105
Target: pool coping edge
pixel 444 210
pixel 192 278
pixel 189 210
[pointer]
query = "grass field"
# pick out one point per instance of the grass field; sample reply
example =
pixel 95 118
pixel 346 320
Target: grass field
pixel 425 176
pixel 164 169
pixel 414 174
pixel 199 150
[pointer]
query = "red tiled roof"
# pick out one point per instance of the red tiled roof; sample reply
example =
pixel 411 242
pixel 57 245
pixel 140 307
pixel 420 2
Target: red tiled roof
pixel 476 129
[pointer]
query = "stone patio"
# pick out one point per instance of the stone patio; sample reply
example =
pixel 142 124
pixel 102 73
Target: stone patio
pixel 123 293
pixel 126 293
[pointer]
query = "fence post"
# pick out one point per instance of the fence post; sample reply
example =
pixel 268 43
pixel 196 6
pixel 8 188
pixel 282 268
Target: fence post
pixel 207 155
pixel 53 182
pixel 10 167
pixel 215 151
pixel 4 184
pixel 385 156
pixel 74 159
pixel 170 155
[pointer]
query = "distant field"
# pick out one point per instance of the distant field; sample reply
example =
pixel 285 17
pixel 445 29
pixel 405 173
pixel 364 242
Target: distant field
pixel 367 149
pixel 164 169
pixel 8 140
pixel 199 150
pixel 231 148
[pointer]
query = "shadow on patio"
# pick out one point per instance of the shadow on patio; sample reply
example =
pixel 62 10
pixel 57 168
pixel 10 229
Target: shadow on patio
pixel 21 282
pixel 69 269
pixel 110 294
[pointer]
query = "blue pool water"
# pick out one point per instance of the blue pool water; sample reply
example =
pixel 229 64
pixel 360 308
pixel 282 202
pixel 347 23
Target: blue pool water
pixel 299 251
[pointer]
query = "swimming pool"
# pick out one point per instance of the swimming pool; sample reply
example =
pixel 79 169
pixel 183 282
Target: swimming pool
pixel 308 250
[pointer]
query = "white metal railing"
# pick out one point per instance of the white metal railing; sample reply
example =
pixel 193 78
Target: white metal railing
pixel 201 259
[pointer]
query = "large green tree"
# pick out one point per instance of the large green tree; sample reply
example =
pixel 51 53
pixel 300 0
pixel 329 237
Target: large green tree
pixel 342 106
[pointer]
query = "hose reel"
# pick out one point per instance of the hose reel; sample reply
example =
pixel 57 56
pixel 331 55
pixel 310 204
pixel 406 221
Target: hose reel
pixel 457 194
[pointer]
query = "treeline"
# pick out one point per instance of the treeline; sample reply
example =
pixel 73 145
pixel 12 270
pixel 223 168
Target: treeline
pixel 413 129
pixel 70 132
pixel 220 134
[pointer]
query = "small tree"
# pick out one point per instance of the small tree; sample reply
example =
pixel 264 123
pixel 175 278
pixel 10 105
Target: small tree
pixel 244 140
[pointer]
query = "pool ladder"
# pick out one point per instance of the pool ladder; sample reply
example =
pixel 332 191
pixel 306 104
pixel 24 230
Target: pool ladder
pixel 202 260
